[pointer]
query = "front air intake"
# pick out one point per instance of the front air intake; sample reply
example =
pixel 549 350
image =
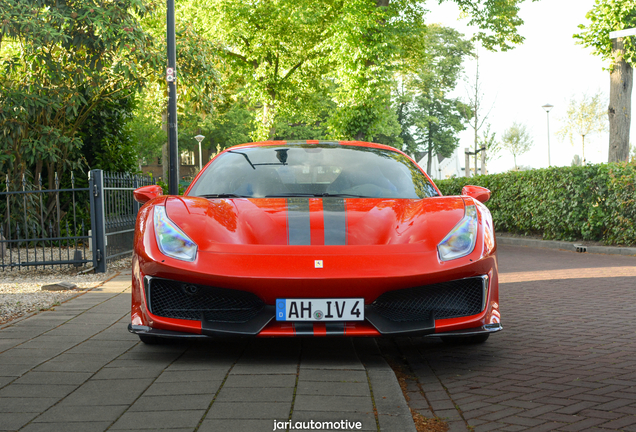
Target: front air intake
pixel 453 299
pixel 181 300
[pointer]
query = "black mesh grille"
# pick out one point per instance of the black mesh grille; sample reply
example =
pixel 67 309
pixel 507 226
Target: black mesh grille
pixel 445 300
pixel 172 299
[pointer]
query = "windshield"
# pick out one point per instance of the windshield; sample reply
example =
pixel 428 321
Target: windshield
pixel 316 170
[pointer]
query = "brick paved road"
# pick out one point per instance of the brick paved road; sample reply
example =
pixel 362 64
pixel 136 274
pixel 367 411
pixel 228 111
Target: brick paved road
pixel 78 369
pixel 566 360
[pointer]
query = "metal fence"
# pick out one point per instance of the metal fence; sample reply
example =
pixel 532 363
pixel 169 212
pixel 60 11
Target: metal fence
pixel 113 214
pixel 46 227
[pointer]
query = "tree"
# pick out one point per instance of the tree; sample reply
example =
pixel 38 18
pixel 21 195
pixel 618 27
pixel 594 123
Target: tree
pixel 61 65
pixel 473 112
pixel 489 140
pixel 584 118
pixel 439 125
pixel 497 22
pixel 436 117
pixel 279 50
pixel 106 135
pixel 607 16
pixel 516 140
pixel 283 52
pixel 199 73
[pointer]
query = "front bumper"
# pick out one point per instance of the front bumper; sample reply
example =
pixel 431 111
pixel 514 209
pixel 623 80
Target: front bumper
pixel 179 308
pixel 149 331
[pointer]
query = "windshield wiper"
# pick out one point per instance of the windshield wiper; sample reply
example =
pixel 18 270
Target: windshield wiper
pixel 247 158
pixel 290 194
pixel 223 195
pixel 343 195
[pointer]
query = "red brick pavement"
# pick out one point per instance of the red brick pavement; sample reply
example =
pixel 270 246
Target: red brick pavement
pixel 566 360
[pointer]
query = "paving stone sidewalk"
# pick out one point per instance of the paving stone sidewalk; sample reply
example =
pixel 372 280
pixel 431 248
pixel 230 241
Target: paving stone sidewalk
pixel 78 369
pixel 566 360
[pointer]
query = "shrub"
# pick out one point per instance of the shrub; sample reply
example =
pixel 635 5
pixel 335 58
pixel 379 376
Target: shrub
pixel 594 202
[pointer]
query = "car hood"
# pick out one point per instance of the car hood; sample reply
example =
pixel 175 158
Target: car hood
pixel 315 221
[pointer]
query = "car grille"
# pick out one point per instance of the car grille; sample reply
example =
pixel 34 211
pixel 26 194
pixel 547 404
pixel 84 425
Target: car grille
pixel 173 299
pixel 453 299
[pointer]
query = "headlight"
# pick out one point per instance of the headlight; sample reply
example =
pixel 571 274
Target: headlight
pixel 461 240
pixel 171 240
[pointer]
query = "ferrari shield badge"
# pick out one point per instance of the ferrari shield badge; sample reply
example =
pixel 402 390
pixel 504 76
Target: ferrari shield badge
pixel 318 263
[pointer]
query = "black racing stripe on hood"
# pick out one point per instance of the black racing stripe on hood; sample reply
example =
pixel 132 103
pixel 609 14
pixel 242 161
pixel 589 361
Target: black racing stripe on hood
pixel 298 227
pixel 335 220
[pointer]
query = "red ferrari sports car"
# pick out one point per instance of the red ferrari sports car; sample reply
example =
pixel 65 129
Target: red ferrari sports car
pixel 314 238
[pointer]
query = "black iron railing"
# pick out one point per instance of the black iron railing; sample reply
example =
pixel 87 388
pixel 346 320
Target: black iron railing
pixel 46 227
pixel 40 226
pixel 113 214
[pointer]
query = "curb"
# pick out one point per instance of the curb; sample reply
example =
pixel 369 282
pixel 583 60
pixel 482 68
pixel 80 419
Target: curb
pixel 569 246
pixel 392 409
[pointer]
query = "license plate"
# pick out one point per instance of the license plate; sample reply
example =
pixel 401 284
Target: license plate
pixel 350 309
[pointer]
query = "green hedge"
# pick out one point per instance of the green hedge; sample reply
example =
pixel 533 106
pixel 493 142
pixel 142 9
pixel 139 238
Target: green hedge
pixel 594 202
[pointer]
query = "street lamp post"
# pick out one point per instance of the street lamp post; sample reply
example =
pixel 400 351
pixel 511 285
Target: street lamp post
pixel 199 138
pixel 171 77
pixel 547 108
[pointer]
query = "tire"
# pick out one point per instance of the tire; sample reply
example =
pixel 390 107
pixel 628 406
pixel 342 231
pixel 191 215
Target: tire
pixel 150 340
pixel 465 340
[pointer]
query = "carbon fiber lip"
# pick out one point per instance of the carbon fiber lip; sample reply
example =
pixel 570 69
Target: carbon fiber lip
pixel 486 329
pixel 145 330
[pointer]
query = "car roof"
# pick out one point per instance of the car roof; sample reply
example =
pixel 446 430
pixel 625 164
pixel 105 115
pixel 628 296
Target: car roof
pixel 304 142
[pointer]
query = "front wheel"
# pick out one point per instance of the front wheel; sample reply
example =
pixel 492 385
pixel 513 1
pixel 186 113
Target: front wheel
pixel 465 340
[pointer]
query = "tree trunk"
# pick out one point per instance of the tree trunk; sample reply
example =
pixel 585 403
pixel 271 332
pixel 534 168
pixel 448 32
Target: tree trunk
pixel 583 149
pixel 165 151
pixel 269 112
pixel 430 143
pixel 429 162
pixel 620 106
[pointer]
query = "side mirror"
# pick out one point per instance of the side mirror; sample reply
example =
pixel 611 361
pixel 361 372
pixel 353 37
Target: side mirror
pixel 481 194
pixel 147 193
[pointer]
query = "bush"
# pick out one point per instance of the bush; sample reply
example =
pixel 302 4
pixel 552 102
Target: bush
pixel 594 202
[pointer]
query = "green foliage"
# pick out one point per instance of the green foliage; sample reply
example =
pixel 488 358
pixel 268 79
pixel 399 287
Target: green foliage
pixel 59 63
pixel 498 21
pixel 246 70
pixel 234 124
pixel 493 145
pixel 583 118
pixel 594 202
pixel 516 140
pixel 198 77
pixel 107 142
pixel 605 17
pixel 346 52
pixel 197 59
pixel 145 125
pixel 165 187
pixel 277 50
pixel 428 117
